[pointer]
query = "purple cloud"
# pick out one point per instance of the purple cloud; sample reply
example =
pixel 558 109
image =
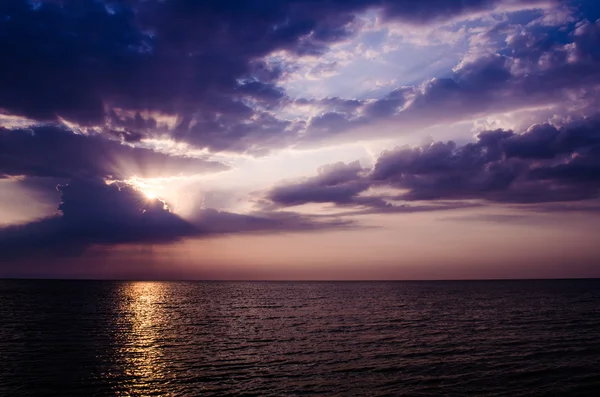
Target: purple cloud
pixel 532 69
pixel 115 71
pixel 92 212
pixel 202 61
pixel 542 164
pixel 56 152
pixel 335 183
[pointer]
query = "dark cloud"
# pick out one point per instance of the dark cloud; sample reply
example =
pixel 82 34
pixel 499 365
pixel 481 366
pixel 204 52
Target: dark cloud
pixel 379 205
pixel 328 124
pixel 388 105
pixel 56 152
pixel 92 212
pixel 200 60
pixel 543 164
pixel 583 168
pixel 63 57
pixel 257 135
pixel 337 183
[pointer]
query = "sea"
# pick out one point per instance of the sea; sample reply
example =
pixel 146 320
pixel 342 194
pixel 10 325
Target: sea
pixel 421 338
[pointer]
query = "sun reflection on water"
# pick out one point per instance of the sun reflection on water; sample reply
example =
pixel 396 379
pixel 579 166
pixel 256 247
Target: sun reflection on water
pixel 143 356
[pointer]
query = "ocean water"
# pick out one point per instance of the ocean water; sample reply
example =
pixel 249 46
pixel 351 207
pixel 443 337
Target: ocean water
pixel 486 338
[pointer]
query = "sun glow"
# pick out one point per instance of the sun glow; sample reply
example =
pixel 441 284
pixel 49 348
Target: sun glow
pixel 180 194
pixel 149 194
pixel 152 189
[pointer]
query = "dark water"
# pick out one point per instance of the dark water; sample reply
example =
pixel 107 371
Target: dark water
pixel 511 338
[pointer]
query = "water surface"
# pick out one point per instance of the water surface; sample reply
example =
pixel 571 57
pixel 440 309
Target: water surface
pixel 487 338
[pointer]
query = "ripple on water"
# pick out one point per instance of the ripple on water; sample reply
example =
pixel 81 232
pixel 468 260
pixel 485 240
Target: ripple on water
pixel 76 338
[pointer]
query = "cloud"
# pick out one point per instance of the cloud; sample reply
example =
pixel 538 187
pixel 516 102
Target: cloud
pixel 202 62
pixel 211 221
pixel 428 11
pixel 49 151
pixel 198 60
pixel 543 164
pixel 93 212
pixel 533 67
pixel 337 183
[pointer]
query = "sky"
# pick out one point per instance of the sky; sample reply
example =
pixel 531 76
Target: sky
pixel 300 139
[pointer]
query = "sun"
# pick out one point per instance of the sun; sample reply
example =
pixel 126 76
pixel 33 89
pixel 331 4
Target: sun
pixel 149 195
pixel 150 189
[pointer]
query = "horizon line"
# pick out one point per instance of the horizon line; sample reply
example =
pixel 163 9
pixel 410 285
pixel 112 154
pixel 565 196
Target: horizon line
pixel 291 280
